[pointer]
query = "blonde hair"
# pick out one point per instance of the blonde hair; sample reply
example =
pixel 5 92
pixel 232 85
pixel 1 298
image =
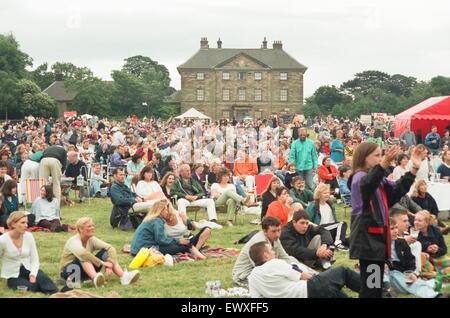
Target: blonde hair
pixel 14 218
pixel 81 223
pixel 417 186
pixel 162 209
pixel 427 217
pixel 321 187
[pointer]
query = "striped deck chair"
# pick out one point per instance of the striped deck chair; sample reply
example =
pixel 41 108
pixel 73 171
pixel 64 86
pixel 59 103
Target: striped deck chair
pixel 32 190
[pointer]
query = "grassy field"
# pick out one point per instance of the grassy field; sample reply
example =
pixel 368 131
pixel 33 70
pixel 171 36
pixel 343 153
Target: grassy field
pixel 186 279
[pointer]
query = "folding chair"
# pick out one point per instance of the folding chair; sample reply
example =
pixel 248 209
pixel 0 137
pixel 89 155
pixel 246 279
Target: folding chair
pixel 261 183
pixel 86 183
pixel 32 190
pixel 347 203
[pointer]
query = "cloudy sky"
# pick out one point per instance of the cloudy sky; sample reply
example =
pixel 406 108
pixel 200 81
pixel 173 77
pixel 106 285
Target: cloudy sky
pixel 334 38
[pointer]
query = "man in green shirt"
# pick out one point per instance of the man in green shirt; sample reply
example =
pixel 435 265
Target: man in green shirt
pixel 190 193
pixel 304 155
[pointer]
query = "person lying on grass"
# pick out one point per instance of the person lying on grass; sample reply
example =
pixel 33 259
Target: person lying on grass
pixel 79 262
pixel 150 233
pixel 275 278
pixel 270 233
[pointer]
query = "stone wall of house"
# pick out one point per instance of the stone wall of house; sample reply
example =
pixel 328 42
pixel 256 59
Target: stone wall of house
pixel 213 86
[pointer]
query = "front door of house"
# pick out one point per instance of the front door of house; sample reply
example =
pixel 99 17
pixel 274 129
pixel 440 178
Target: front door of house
pixel 241 113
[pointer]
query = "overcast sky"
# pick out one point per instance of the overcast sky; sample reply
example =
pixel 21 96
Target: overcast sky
pixel 334 38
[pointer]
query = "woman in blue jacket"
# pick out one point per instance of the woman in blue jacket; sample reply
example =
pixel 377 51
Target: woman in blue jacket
pixel 151 233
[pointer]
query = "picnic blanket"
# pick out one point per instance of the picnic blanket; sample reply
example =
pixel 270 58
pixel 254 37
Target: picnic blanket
pixel 42 229
pixel 209 252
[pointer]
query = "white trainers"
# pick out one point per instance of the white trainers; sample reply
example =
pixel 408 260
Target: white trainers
pixel 129 277
pixel 326 265
pixel 99 280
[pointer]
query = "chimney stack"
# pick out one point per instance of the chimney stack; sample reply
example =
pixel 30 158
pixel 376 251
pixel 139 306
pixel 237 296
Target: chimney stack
pixel 264 44
pixel 204 43
pixel 219 44
pixel 278 45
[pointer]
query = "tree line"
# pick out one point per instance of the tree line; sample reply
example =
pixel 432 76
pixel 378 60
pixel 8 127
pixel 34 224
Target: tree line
pixel 142 84
pixel 374 92
pixel 138 88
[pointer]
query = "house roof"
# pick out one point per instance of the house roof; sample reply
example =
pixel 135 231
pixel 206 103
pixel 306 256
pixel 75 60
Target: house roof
pixel 174 98
pixel 212 58
pixel 59 92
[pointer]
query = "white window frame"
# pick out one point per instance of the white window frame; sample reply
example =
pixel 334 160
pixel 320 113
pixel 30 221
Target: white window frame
pixel 200 94
pixel 283 76
pixel 244 76
pixel 241 97
pixel 225 95
pixel 283 96
pixel 200 76
pixel 226 77
pixel 259 77
pixel 258 98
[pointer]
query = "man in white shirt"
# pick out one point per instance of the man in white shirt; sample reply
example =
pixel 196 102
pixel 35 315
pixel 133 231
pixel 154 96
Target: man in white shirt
pixel 271 231
pixel 274 278
pixel 118 137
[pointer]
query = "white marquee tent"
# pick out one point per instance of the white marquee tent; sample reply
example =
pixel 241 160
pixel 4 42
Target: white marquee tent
pixel 192 114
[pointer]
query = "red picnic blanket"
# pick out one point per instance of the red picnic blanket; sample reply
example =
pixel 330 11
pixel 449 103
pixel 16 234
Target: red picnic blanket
pixel 209 252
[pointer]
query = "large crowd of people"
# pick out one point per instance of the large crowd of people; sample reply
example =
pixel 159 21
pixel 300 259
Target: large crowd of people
pixel 154 171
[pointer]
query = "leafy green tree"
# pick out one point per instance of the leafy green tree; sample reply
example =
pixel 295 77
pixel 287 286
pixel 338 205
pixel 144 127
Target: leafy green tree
pixel 400 85
pixel 440 85
pixel 94 98
pixel 141 80
pixel 72 72
pixel 8 94
pixel 128 94
pixel 42 77
pixel 12 60
pixel 364 82
pixel 312 110
pixel 326 97
pixel 33 101
pixel 138 65
pixel 12 68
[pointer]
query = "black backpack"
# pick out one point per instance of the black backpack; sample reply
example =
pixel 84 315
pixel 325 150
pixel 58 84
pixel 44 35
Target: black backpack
pixel 120 219
pixel 246 238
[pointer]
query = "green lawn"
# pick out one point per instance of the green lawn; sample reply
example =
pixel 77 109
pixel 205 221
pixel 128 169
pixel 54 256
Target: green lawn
pixel 186 279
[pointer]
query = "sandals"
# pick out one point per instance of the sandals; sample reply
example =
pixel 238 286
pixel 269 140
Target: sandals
pixel 248 202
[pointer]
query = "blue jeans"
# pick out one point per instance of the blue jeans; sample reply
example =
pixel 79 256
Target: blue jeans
pixel 68 270
pixel 421 288
pixel 280 175
pixel 43 283
pixel 240 188
pixel 307 175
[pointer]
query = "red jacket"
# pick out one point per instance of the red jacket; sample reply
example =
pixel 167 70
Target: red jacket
pixel 324 174
pixel 279 211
